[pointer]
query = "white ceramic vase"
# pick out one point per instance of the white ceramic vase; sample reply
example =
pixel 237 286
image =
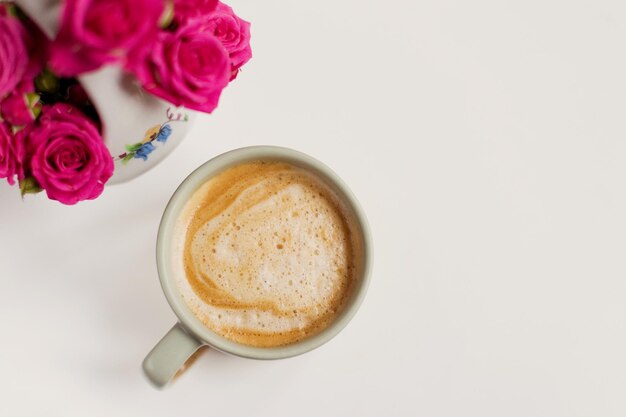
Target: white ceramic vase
pixel 128 114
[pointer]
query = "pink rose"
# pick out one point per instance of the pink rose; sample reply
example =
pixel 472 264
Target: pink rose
pixel 233 32
pixel 9 160
pixel 96 32
pixel 188 67
pixel 67 155
pixel 19 107
pixel 13 54
pixel 189 9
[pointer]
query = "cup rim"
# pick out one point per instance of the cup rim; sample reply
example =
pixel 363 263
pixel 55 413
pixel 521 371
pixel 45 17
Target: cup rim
pixel 177 202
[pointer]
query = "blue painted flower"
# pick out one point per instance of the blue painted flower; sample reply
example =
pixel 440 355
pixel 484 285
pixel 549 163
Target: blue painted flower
pixel 145 150
pixel 164 133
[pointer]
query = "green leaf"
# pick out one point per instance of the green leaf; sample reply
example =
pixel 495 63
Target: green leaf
pixel 34 104
pixel 32 99
pixel 29 185
pixel 36 110
pixel 11 10
pixel 128 157
pixel 48 82
pixel 168 14
pixel 134 148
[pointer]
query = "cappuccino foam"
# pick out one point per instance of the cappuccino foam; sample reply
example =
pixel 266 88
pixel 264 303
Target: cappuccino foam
pixel 264 254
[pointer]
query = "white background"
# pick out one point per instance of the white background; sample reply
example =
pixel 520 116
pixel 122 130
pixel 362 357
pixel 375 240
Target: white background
pixel 486 140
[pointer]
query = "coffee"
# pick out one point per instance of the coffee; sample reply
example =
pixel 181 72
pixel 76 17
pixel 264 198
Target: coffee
pixel 265 254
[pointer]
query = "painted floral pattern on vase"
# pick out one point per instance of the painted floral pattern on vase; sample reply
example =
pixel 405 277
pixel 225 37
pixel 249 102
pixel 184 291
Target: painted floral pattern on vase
pixel 154 137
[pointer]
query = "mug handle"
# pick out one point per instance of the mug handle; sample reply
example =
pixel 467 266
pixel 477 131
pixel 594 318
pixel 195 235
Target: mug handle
pixel 169 356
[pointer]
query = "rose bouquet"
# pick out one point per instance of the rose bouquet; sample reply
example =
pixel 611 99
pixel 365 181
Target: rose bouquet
pixel 182 51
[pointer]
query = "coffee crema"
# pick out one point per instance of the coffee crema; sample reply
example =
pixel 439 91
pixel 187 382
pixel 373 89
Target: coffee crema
pixel 265 254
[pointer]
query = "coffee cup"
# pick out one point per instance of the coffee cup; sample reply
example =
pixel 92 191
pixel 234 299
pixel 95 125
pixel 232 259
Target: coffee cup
pixel 291 172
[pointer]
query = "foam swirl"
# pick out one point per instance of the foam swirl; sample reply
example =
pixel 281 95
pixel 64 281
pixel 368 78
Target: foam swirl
pixel 265 254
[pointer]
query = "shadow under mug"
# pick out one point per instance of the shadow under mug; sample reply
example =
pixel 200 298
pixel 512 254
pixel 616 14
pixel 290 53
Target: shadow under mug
pixel 172 352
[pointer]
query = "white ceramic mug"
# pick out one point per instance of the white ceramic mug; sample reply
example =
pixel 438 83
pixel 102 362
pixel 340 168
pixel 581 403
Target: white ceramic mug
pixel 129 116
pixel 189 334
